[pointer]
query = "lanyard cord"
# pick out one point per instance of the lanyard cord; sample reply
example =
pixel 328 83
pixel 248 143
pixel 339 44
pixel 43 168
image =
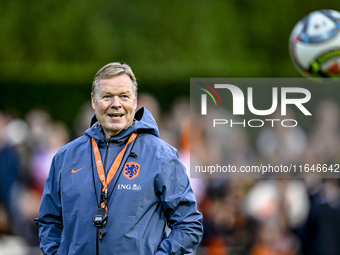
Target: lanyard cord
pixel 94 183
pixel 113 170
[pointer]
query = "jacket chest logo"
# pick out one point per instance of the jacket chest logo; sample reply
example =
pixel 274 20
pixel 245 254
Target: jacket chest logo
pixel 131 170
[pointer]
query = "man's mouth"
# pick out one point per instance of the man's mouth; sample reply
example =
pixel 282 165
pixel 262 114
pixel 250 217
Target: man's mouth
pixel 116 115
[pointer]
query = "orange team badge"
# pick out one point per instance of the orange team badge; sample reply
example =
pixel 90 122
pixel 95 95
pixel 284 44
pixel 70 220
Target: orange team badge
pixel 131 170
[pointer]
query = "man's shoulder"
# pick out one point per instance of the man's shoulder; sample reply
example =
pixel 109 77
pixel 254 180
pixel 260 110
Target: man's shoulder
pixel 158 145
pixel 75 144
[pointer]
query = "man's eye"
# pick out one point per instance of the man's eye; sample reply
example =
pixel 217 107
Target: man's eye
pixel 106 96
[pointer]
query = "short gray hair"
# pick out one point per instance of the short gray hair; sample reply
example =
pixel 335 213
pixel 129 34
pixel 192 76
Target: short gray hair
pixel 111 70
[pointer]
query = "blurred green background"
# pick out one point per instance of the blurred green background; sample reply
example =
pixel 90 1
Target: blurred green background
pixel 50 50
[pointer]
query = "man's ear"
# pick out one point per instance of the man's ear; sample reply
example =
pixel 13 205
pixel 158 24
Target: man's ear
pixel 93 102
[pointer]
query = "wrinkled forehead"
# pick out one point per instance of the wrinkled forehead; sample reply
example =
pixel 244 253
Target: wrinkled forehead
pixel 118 82
pixel 116 85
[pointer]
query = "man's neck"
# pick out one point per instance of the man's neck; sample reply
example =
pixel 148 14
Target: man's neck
pixel 108 135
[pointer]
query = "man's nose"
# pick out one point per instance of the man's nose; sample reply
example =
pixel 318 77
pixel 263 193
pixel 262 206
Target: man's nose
pixel 115 102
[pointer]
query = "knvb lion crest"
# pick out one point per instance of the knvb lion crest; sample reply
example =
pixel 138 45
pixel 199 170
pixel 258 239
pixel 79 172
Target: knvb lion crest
pixel 131 170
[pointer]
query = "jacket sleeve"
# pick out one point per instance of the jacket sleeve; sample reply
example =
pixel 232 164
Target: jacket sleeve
pixel 180 208
pixel 50 219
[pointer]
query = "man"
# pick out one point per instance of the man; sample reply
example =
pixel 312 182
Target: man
pixel 113 190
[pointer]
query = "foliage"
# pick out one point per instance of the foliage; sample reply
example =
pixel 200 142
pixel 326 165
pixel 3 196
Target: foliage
pixel 63 43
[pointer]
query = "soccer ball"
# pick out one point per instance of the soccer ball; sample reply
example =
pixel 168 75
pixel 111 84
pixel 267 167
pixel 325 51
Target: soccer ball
pixel 315 44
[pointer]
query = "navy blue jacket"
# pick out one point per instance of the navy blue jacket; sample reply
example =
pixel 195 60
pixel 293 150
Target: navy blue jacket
pixel 150 189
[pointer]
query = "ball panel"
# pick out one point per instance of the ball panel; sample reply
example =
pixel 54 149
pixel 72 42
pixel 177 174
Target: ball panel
pixel 315 44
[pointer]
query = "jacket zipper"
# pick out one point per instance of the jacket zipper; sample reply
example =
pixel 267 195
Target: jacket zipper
pixel 105 162
pixel 107 150
pixel 107 154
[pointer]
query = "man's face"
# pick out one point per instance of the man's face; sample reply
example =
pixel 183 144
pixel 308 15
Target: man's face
pixel 115 104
